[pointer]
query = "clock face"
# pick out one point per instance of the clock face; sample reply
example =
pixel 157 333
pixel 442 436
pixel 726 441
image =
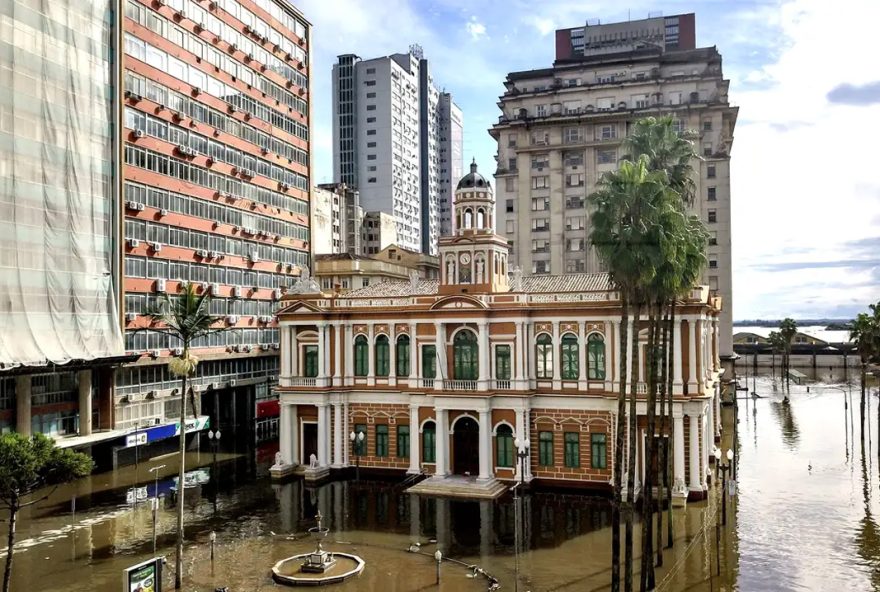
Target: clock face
pixel 465 258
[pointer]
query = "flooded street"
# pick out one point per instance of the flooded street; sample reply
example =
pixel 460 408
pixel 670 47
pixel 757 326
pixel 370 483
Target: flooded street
pixel 804 518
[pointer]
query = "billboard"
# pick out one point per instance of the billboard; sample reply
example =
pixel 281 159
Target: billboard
pixel 144 577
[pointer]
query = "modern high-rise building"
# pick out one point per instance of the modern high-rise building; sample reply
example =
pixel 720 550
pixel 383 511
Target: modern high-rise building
pixel 336 218
pixel 667 32
pixel 451 157
pixel 216 190
pixel 386 140
pixel 561 128
pixel 60 259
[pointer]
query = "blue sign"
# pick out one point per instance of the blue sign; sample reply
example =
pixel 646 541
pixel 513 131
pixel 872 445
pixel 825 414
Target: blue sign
pixel 168 430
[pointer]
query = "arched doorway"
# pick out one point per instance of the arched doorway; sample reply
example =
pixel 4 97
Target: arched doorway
pixel 465 446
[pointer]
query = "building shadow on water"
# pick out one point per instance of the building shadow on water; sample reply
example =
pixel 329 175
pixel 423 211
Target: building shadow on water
pixel 784 414
pixel 868 533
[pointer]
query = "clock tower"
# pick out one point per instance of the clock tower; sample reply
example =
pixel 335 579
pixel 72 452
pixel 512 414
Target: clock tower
pixel 473 259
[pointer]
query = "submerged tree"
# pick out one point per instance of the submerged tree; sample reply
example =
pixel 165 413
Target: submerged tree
pixel 185 317
pixel 27 467
pixel 865 333
pixel 788 329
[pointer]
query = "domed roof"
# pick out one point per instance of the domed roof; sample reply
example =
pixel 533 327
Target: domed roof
pixel 473 179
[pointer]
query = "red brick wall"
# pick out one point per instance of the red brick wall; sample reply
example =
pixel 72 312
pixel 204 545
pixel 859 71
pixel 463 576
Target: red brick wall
pixel 560 421
pixel 392 415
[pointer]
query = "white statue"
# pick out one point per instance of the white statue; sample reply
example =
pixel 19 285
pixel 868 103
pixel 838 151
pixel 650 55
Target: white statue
pixel 516 279
pixel 305 284
pixel 479 271
pixel 450 272
pixel 313 461
pixel 278 459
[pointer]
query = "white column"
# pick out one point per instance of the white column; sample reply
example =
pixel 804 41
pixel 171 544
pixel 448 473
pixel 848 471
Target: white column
pixel 717 344
pixel 485 448
pixel 615 370
pixel 529 352
pixel 392 354
pixel 629 350
pixel 349 354
pixel 692 356
pixel 346 429
pixel 694 482
pixel 337 357
pixel 557 366
pixel 294 353
pixel 85 402
pixel 322 354
pixel 678 483
pixel 285 441
pixel 326 353
pixel 371 356
pixel 716 399
pixel 414 441
pixel 519 343
pixel 707 444
pixel 285 351
pixel 323 435
pixel 339 435
pixel 413 364
pixel 608 362
pixel 439 345
pixel 582 355
pixel 442 441
pixel 483 371
pixel 677 361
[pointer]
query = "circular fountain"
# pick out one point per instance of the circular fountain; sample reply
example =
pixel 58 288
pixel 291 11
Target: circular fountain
pixel 319 567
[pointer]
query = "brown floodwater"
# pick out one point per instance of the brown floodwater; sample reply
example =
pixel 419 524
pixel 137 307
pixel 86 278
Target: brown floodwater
pixel 803 518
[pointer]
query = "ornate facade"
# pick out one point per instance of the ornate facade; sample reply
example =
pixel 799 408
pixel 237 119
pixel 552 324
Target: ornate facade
pixel 444 376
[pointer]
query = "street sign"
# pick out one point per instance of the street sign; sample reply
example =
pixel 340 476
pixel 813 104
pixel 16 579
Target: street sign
pixel 144 577
pixel 136 439
pixel 136 494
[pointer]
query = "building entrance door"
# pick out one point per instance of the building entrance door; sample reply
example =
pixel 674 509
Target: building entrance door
pixel 310 442
pixel 465 444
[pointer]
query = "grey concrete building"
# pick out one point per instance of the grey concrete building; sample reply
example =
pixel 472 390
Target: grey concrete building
pixel 451 157
pixel 336 218
pixel 561 128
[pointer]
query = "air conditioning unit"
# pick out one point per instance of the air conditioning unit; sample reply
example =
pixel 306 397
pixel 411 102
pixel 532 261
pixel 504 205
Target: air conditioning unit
pixel 250 57
pixel 130 316
pixel 131 205
pixel 156 246
pixel 213 254
pixel 234 47
pixel 236 291
pixel 215 289
pixel 223 195
pixel 247 173
pixel 284 186
pixel 134 243
pixel 245 348
pixel 163 212
pixel 212 5
pixel 202 253
pixel 232 382
pixel 276 347
pixel 264 39
pixel 182 149
pixel 136 97
pixel 203 26
pixel 161 285
pixel 276 293
pixel 154 353
pixel 178 351
pixel 138 133
pixel 254 258
pixel 247 28
pixel 232 319
pixel 196 90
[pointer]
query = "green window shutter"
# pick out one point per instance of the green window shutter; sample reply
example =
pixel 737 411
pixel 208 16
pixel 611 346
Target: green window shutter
pixel 572 449
pixel 598 450
pixel 429 361
pixel 429 443
pixel 382 440
pixel 383 362
pixel 545 449
pixel 403 441
pixel 596 357
pixel 360 447
pixel 569 360
pixel 361 356
pixel 465 356
pixel 502 362
pixel 504 446
pixel 401 362
pixel 310 355
pixel 544 356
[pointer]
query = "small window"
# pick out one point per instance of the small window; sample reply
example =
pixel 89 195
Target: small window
pixel 545 449
pixel 504 446
pixel 361 352
pixel 707 125
pixel 572 450
pixel 710 171
pixel 310 361
pixel 502 362
pixel 429 361
pixel 544 356
pixel 509 184
pixel 713 264
pixel 402 441
pixel 508 206
pixel 710 194
pixel 381 440
pixel 712 216
pixel 598 451
pixel 508 227
pixel 429 442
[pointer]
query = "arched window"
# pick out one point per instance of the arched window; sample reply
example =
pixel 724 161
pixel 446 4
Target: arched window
pixel 596 357
pixel 504 446
pixel 468 218
pixel 361 356
pixel 429 442
pixel 544 356
pixel 382 356
pixel 481 218
pixel 465 356
pixel 569 359
pixel 401 361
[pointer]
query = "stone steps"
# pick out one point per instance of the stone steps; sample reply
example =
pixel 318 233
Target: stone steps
pixel 461 487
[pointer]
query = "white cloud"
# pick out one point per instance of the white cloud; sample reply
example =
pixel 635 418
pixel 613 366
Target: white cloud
pixel 476 29
pixel 544 25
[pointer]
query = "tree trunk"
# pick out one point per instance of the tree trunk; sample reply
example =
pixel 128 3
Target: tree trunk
pixel 631 465
pixel 178 568
pixel 670 540
pixel 862 402
pixel 10 543
pixel 662 463
pixel 647 575
pixel 618 448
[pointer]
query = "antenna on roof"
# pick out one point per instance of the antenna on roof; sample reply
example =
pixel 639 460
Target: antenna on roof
pixel 416 50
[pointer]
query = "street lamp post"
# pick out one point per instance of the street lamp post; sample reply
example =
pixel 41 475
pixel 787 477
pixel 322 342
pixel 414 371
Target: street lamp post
pixel 438 557
pixel 356 441
pixel 522 453
pixel 214 439
pixel 723 467
pixel 155 502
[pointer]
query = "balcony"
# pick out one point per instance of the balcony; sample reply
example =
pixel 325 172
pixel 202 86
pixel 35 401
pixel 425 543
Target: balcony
pixel 427 383
pixel 460 385
pixel 302 381
pixel 502 385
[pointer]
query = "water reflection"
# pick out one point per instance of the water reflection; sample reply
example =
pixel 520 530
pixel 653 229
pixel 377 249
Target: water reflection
pixel 784 415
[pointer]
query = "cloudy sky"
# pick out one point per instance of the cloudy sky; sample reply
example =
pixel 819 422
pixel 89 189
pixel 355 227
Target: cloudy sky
pixel 804 73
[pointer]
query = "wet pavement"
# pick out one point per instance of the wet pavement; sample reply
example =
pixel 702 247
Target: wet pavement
pixel 804 518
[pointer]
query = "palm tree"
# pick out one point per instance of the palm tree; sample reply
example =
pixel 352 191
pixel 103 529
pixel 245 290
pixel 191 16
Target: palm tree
pixel 864 332
pixel 788 329
pixel 187 318
pixel 777 345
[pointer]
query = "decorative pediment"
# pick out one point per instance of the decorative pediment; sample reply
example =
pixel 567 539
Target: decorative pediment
pixel 543 327
pixel 458 301
pixel 299 307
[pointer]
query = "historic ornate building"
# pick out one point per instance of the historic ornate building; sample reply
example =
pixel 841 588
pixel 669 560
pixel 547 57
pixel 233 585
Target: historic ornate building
pixel 446 377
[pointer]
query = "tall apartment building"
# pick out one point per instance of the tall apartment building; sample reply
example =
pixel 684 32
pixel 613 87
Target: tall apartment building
pixel 668 32
pixel 216 189
pixel 336 218
pixel 60 331
pixel 386 140
pixel 451 157
pixel 561 128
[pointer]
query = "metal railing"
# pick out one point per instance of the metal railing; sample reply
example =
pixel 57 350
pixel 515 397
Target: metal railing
pixel 302 381
pixel 427 383
pixel 460 385
pixel 502 385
